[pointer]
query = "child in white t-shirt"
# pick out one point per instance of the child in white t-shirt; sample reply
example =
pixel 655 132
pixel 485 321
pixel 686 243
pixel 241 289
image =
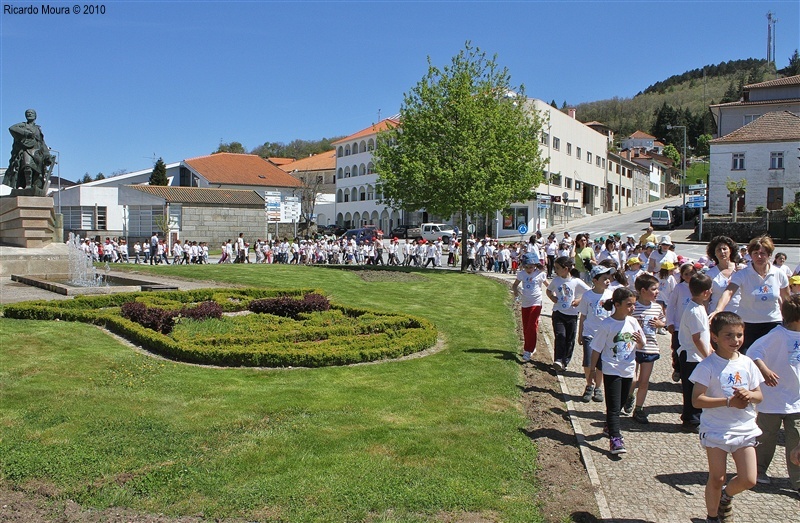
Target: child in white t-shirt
pixel 615 342
pixel 527 289
pixel 565 292
pixel 592 313
pixel 726 386
pixel 634 265
pixel 781 402
pixel 694 340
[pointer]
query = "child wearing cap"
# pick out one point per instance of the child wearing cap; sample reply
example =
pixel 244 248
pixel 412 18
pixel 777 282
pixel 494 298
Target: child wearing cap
pixel 527 289
pixel 794 284
pixel 565 292
pixel 592 313
pixel 633 271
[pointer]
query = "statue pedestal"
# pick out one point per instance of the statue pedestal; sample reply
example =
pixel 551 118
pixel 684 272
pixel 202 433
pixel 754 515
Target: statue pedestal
pixel 27 221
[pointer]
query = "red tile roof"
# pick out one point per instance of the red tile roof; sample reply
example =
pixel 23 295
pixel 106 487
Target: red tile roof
pixel 642 135
pixel 280 161
pixel 240 169
pixel 201 195
pixel 779 82
pixel 372 129
pixel 319 162
pixel 778 126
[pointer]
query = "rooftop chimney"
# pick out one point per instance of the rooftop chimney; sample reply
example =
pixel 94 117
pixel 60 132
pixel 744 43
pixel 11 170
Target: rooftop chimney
pixel 572 113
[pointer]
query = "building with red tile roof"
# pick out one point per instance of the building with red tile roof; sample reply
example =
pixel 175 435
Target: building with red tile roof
pixel 782 94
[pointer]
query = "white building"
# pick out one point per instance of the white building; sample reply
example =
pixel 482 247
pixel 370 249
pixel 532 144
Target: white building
pixel 765 153
pixel 757 100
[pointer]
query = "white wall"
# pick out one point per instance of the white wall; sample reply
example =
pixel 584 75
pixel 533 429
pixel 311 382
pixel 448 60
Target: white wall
pixel 757 172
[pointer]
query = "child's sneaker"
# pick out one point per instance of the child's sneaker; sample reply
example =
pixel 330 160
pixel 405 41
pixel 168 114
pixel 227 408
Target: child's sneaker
pixel 627 409
pixel 598 394
pixel 676 376
pixel 725 511
pixel 587 394
pixel 763 479
pixel 640 416
pixel 558 366
pixel 618 446
pixel 526 356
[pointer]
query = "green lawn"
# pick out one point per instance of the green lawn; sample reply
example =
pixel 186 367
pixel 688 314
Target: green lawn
pixel 425 439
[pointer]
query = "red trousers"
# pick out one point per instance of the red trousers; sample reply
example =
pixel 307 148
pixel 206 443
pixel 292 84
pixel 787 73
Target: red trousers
pixel 530 326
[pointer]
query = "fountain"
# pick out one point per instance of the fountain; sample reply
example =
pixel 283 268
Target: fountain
pixel 83 277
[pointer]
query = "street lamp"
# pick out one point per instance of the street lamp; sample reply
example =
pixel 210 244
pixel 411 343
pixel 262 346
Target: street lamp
pixel 683 170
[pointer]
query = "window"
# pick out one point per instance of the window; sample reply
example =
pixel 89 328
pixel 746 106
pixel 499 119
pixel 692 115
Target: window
pixel 776 160
pixel 556 143
pixel 588 157
pixel 578 153
pixel 597 160
pixel 569 148
pixel 320 179
pixel 555 179
pixel 141 218
pixel 568 183
pixel 749 118
pixel 577 185
pixel 738 162
pixel 514 217
pixel 545 138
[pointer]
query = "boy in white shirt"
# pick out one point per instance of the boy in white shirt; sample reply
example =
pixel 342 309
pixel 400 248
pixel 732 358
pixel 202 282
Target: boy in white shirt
pixel 781 402
pixel 694 338
pixel 726 386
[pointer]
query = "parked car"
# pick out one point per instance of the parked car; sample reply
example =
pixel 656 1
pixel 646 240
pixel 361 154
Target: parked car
pixel 676 214
pixel 432 231
pixel 360 235
pixel 332 230
pixel 662 219
pixel 401 231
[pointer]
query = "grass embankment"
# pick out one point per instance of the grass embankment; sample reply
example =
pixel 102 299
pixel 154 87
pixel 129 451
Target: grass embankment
pixel 418 440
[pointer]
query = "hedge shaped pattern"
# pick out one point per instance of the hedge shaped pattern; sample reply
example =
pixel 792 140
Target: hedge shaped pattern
pixel 310 340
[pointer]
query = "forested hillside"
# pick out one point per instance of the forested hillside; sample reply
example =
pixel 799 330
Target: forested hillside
pixel 680 100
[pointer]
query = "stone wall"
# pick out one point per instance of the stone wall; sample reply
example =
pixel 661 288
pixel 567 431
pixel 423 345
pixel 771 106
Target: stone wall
pixel 745 229
pixel 215 224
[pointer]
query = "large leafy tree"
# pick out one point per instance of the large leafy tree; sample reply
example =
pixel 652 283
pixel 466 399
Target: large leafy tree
pixel 467 144
pixel 232 147
pixel 159 175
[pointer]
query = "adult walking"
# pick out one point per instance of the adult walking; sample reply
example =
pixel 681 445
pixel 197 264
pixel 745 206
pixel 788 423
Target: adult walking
pixel 725 254
pixel 763 287
pixel 584 257
pixel 664 253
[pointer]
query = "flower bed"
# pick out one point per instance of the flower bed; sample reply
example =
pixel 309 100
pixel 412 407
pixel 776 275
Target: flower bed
pixel 301 328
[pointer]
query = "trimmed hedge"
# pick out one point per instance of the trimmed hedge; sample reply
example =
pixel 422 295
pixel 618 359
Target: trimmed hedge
pixel 339 336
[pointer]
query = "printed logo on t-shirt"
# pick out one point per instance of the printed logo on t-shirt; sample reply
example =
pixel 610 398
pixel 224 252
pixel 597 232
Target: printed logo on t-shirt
pixel 763 292
pixel 794 354
pixel 647 326
pixel 733 379
pixel 623 346
pixel 564 296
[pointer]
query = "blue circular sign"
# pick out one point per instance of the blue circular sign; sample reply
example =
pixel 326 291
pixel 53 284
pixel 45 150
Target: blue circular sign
pixel 522 229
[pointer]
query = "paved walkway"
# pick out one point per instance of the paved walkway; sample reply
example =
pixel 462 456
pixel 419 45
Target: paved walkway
pixel 662 477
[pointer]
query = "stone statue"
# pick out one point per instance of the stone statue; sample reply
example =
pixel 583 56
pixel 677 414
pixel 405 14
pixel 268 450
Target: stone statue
pixel 31 163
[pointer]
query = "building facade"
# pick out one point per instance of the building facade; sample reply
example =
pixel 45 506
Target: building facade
pixel 757 100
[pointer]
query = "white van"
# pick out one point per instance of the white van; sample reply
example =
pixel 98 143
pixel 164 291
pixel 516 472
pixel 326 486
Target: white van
pixel 661 219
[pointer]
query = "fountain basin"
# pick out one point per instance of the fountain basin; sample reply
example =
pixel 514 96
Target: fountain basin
pixel 59 283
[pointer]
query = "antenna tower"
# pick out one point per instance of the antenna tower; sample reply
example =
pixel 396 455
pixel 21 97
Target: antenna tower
pixel 771 21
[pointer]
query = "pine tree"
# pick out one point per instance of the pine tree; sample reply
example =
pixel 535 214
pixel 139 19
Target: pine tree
pixel 159 176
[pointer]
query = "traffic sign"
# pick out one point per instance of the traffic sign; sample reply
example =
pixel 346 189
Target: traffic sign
pixel 696 205
pixel 522 229
pixel 697 187
pixel 696 197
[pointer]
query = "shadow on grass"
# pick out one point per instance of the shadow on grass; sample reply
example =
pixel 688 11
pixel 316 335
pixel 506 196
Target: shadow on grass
pixel 500 354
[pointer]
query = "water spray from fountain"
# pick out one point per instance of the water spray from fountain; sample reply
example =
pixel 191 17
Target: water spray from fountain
pixel 82 272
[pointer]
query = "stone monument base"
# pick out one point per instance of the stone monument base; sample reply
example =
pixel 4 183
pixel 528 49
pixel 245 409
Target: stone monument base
pixel 27 221
pixel 43 261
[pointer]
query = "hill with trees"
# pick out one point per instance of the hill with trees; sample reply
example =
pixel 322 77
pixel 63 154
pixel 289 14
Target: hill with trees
pixel 679 100
pixel 295 149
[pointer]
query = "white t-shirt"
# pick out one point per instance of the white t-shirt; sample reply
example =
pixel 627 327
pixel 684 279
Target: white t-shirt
pixel 780 351
pixel 591 306
pixel 530 287
pixel 721 376
pixel 631 276
pixel 567 291
pixel 718 285
pixel 786 270
pixel 614 341
pixel 679 299
pixel 760 301
pixel 657 258
pixel 693 320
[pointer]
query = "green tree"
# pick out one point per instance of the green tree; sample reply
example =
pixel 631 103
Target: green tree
pixel 469 144
pixel 86 178
pixel 232 147
pixel 159 176
pixel 100 176
pixel 793 68
pixel 672 153
pixel 703 145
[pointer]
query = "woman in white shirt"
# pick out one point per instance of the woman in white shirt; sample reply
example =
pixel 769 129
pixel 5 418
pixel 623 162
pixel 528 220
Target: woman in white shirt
pixel 725 253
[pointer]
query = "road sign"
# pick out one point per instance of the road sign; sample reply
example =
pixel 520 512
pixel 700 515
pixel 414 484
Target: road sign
pixel 698 187
pixel 696 197
pixel 471 228
pixel 565 196
pixel 696 205
pixel 522 229
pixel 272 205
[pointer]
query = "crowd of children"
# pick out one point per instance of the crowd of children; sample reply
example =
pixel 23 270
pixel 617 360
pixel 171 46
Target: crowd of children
pixel 635 290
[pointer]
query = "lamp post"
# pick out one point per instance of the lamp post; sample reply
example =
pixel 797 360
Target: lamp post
pixel 683 170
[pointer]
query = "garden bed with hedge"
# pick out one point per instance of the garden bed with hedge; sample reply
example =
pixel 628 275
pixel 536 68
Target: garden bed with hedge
pixel 284 328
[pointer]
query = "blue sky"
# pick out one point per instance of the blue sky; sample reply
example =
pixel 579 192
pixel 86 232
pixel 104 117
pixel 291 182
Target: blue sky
pixel 173 79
